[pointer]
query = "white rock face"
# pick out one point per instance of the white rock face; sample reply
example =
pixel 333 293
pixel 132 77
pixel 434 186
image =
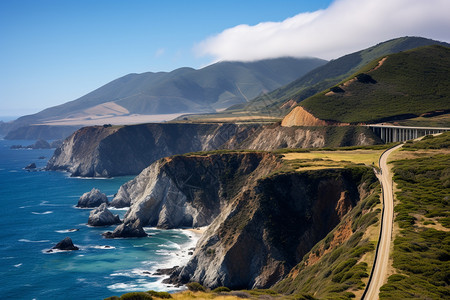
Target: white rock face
pixel 154 198
pixel 94 198
pixel 101 216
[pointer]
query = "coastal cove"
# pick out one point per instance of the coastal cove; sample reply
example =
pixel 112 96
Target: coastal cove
pixel 39 210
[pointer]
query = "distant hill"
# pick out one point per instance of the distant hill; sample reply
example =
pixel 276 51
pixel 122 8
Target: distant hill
pixel 217 86
pixel 327 76
pixel 398 86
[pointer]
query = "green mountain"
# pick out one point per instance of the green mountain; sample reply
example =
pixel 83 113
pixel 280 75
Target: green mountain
pixel 403 85
pixel 329 75
pixel 217 86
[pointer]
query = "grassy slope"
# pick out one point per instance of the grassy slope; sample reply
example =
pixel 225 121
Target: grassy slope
pixel 412 82
pixel 422 248
pixel 330 74
pixel 435 121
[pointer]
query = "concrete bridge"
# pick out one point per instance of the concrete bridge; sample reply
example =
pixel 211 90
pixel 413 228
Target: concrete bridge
pixel 391 133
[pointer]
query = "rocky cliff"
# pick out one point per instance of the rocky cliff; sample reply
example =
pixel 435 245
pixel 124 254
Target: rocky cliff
pixel 261 223
pixel 100 151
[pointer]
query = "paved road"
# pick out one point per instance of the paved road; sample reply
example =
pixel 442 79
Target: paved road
pixel 381 263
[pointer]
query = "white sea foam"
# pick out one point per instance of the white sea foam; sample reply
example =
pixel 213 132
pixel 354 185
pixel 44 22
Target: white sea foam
pixel 29 241
pixel 164 252
pixel 67 230
pixel 106 247
pixel 170 245
pixel 42 213
pixel 120 208
pixel 18 265
pixel 174 255
pixel 52 251
pixel 134 273
pixel 143 285
pixel 89 178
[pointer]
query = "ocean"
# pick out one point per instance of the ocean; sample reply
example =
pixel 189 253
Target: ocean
pixel 38 210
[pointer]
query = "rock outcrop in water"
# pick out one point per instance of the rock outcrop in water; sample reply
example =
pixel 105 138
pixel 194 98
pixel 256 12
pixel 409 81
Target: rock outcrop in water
pixel 100 151
pixel 129 229
pixel 101 216
pixel 261 223
pixel 31 166
pixel 66 244
pixel 94 198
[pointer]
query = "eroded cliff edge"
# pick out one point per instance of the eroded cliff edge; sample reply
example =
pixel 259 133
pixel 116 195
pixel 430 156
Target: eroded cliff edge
pixel 261 220
pixel 100 151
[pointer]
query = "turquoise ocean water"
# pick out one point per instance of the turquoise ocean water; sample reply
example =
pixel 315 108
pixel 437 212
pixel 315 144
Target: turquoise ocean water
pixel 37 211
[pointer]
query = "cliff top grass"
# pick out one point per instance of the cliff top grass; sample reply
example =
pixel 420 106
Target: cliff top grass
pixel 409 83
pixel 332 159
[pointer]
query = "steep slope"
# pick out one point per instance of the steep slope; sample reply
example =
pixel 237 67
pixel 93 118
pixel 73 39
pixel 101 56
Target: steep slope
pixel 328 75
pixel 214 87
pixel 282 216
pixel 338 266
pixel 398 86
pixel 102 151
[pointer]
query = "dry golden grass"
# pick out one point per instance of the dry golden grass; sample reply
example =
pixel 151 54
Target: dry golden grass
pixel 201 295
pixel 398 155
pixel 334 159
pixel 187 295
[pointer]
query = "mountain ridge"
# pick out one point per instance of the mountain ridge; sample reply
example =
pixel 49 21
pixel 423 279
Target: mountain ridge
pixel 183 90
pixel 397 86
pixel 326 76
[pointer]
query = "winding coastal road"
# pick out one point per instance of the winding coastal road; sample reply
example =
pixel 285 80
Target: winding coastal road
pixel 381 263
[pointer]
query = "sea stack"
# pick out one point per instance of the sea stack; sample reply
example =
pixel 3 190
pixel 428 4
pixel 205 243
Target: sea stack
pixel 94 198
pixel 127 230
pixel 101 216
pixel 65 244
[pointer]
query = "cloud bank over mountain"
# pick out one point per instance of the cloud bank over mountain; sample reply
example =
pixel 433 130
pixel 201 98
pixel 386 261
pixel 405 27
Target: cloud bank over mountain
pixel 345 26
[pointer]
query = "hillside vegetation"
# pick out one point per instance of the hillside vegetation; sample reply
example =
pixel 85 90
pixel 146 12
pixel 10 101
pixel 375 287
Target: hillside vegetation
pixel 404 85
pixel 327 76
pixel 422 247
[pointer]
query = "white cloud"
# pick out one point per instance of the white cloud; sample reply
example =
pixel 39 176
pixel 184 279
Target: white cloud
pixel 344 27
pixel 160 52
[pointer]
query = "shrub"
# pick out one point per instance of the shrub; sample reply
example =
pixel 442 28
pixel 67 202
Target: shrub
pixel 221 289
pixel 195 287
pixel 163 295
pixel 136 296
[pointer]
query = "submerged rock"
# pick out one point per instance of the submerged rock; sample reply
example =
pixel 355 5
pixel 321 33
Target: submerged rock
pixel 101 216
pixel 127 230
pixel 94 198
pixel 31 166
pixel 65 244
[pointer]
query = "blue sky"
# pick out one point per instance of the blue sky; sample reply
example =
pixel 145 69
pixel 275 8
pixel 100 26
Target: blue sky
pixel 52 52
